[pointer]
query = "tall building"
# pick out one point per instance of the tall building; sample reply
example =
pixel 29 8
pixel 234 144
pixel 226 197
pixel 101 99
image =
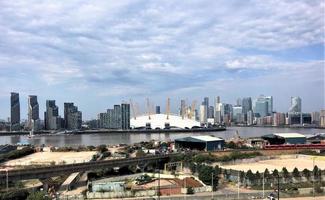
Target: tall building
pixel 295 105
pixel 322 118
pixel 125 112
pixel 157 109
pixel 182 108
pixel 250 118
pixel 246 104
pixel 237 114
pixel 315 118
pixel 14 112
pixel 206 104
pixel 72 117
pixel 261 108
pixel 269 100
pixel 203 114
pixel 33 113
pixel 52 119
pixel 211 112
pixel 218 108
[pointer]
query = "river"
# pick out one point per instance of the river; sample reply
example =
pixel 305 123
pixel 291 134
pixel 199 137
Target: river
pixel 126 138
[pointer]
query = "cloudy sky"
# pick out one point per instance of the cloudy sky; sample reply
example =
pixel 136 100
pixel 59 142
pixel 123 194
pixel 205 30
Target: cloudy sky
pixel 99 53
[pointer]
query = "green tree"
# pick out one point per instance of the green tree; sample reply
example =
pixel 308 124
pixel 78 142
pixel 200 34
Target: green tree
pixel 267 174
pixel 205 175
pixel 38 196
pixel 275 174
pixel 306 173
pixel 285 173
pixel 316 172
pixel 296 173
pixel 250 176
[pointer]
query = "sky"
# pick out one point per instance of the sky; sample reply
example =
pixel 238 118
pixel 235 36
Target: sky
pixel 99 53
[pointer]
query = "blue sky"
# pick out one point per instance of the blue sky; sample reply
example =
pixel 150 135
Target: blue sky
pixel 99 53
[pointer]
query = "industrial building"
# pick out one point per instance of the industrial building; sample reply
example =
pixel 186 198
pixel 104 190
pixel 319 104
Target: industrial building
pixel 202 142
pixel 285 138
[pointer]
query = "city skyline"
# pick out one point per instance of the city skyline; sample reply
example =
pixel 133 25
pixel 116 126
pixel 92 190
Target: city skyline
pixel 101 53
pixel 176 106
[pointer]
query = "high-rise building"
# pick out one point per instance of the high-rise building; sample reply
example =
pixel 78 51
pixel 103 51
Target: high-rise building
pixel 157 109
pixel 211 112
pixel 261 108
pixel 250 118
pixel 237 114
pixel 72 117
pixel 33 113
pixel 246 104
pixel 218 111
pixel 52 119
pixel 203 114
pixel 182 110
pixel 125 116
pixel 269 100
pixel 322 118
pixel 14 112
pixel 295 105
pixel 315 118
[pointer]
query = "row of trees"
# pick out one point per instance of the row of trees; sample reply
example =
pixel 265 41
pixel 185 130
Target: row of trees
pixel 285 176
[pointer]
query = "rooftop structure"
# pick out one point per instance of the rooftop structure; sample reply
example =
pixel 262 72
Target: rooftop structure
pixel 204 142
pixel 285 138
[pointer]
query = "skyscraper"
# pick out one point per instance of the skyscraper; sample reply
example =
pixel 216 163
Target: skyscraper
pixel 51 116
pixel 206 104
pixel 157 109
pixel 182 108
pixel 125 112
pixel 14 112
pixel 246 104
pixel 33 113
pixel 295 105
pixel 261 108
pixel 72 117
pixel 203 114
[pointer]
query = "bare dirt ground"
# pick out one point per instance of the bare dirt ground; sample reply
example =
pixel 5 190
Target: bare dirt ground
pixel 290 162
pixel 48 158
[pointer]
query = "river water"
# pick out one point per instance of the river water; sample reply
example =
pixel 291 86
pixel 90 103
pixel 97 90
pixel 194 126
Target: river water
pixel 126 138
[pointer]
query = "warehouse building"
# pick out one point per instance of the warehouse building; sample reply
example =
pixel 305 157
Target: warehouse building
pixel 203 142
pixel 285 138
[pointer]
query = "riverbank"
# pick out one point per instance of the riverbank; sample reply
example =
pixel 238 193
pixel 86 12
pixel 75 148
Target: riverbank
pixel 102 131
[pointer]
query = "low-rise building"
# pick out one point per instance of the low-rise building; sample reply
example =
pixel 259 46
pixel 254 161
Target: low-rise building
pixel 285 138
pixel 202 142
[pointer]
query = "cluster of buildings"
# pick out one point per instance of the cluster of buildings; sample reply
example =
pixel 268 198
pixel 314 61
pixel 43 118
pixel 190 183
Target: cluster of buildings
pixel 246 112
pixel 116 118
pixel 258 111
pixel 52 120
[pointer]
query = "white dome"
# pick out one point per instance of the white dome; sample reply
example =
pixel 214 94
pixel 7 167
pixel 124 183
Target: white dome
pixel 159 121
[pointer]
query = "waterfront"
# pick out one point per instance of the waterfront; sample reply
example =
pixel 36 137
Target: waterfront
pixel 127 138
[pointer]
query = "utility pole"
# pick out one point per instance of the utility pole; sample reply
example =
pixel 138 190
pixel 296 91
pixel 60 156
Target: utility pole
pixel 185 188
pixel 314 177
pixel 278 186
pixel 263 186
pixel 238 184
pixel 7 180
pixel 212 186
